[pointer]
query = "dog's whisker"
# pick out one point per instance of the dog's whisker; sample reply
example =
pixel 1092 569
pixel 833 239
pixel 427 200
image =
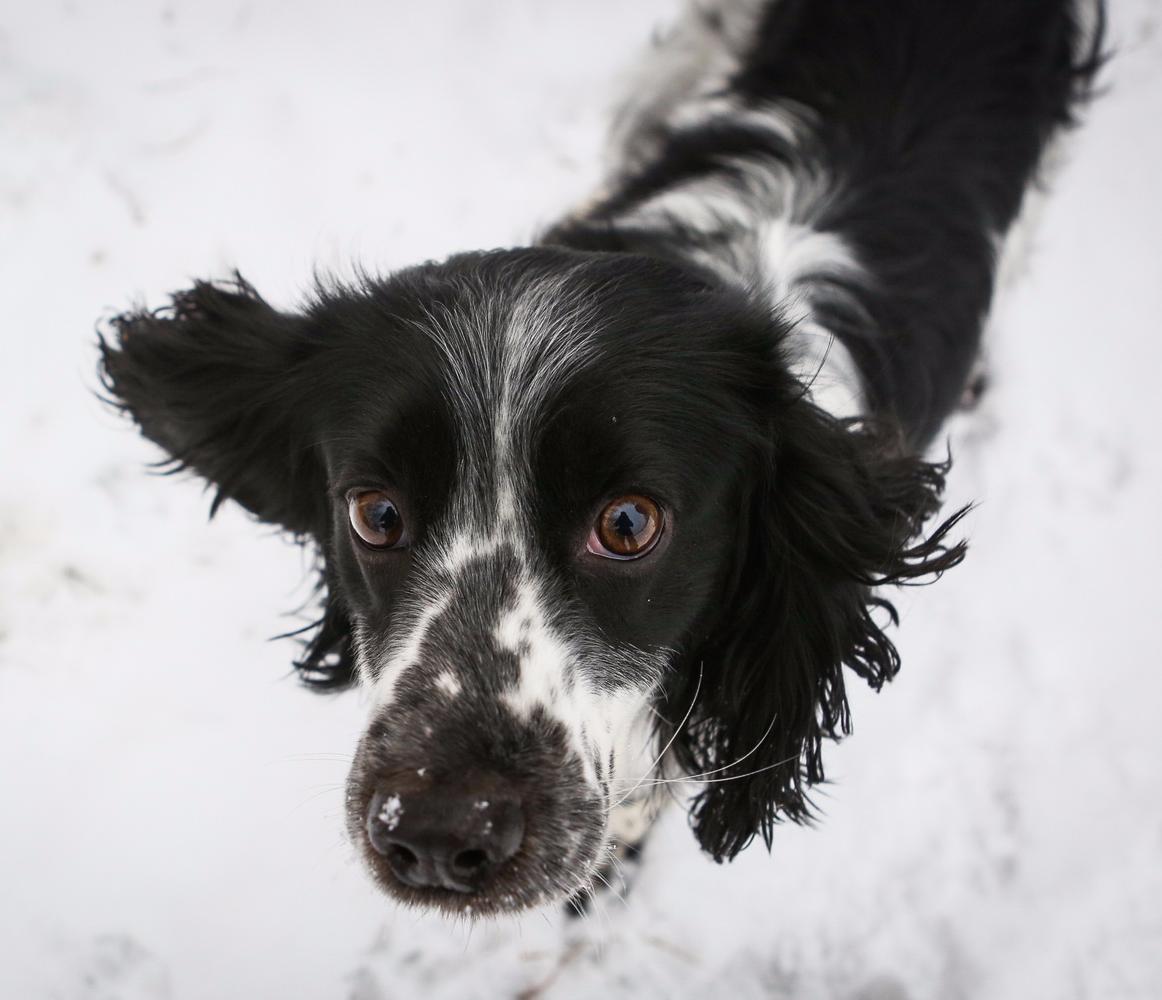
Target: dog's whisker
pixel 320 792
pixel 669 743
pixel 654 782
pixel 699 779
pixel 339 758
pixel 612 891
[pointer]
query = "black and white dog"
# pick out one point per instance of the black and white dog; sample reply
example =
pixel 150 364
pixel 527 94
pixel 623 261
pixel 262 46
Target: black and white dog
pixel 621 505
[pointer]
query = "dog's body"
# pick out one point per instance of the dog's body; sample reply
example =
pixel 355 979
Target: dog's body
pixel 619 504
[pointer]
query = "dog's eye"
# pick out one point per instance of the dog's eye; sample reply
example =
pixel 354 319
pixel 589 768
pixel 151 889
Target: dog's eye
pixel 375 518
pixel 627 528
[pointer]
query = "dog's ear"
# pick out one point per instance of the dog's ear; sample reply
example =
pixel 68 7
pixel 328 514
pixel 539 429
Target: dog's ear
pixel 834 511
pixel 222 382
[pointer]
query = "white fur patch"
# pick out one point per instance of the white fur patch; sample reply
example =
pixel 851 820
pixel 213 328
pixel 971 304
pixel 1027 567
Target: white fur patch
pixel 543 664
pixel 447 683
pixel 631 821
pixel 404 651
pixel 800 261
pixel 686 66
pixel 763 213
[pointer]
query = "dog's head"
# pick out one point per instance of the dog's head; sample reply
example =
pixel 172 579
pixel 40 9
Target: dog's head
pixel 573 511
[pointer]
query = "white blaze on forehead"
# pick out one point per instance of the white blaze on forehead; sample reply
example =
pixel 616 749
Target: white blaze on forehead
pixel 506 352
pixel 548 339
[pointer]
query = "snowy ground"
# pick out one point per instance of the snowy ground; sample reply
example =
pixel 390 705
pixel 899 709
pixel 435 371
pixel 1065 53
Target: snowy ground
pixel 170 818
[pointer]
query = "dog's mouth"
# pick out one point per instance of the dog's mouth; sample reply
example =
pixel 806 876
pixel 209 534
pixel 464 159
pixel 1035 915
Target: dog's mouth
pixel 499 834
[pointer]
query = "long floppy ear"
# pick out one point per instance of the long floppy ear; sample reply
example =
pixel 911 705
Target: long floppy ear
pixel 221 381
pixel 224 384
pixel 835 511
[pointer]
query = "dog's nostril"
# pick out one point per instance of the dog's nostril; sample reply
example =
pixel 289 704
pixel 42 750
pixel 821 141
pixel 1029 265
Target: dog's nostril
pixel 400 856
pixel 469 862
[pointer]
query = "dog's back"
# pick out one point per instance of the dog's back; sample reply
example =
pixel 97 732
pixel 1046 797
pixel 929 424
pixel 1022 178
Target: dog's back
pixel 861 162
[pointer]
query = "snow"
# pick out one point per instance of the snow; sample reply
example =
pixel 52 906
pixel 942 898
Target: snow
pixel 172 800
pixel 391 811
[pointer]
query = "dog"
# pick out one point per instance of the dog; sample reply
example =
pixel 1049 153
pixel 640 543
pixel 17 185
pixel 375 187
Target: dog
pixel 621 506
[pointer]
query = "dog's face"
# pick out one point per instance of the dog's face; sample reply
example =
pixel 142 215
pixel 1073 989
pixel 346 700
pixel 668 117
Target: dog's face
pixel 544 484
pixel 528 481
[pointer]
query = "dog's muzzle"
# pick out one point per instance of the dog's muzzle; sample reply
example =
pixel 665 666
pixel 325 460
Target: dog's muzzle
pixel 467 807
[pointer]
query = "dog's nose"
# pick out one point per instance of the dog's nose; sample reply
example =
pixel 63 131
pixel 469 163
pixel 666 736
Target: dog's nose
pixel 446 837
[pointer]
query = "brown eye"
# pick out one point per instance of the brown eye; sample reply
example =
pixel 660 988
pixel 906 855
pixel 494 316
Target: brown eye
pixel 375 518
pixel 627 528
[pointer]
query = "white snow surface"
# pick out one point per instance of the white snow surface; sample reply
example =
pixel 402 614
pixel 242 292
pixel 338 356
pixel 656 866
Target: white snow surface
pixel 171 821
